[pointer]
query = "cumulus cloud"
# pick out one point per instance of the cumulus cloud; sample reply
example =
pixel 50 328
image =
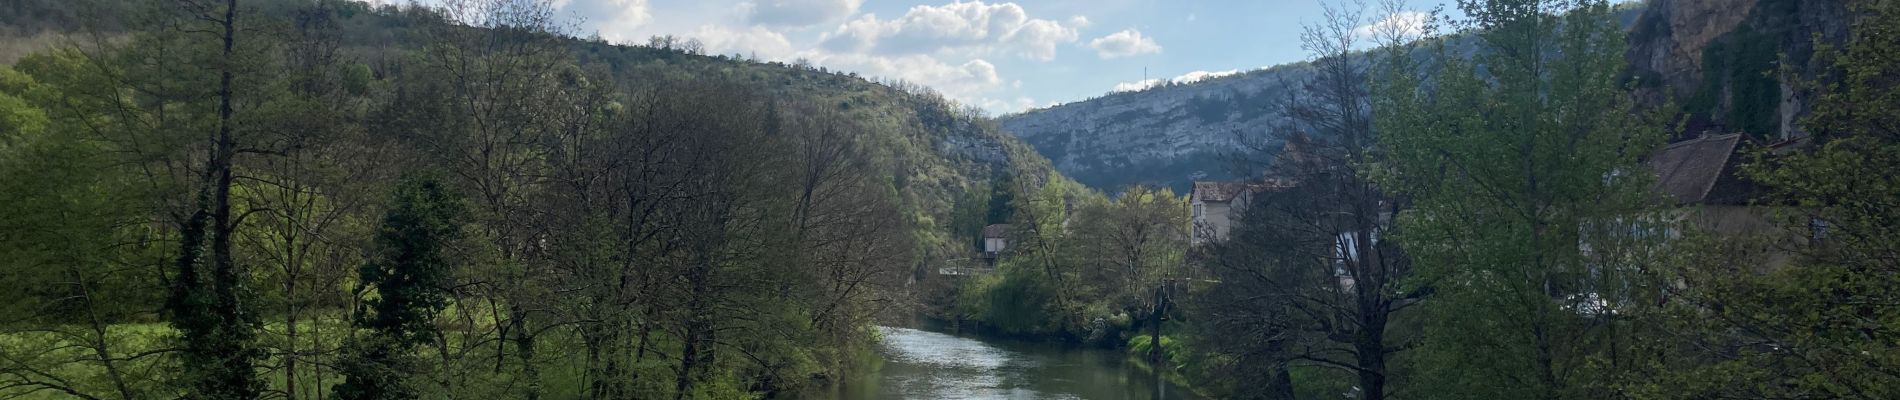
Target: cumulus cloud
pixel 970 82
pixel 1008 105
pixel 613 19
pixel 1126 43
pixel 754 41
pixel 961 80
pixel 1198 76
pixel 974 27
pixel 1406 24
pixel 1137 86
pixel 798 13
pixel 1191 77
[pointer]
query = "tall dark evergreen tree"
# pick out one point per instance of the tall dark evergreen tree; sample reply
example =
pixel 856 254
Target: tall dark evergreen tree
pixel 409 276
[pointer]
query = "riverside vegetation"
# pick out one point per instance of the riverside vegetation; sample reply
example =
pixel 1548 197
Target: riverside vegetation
pixel 312 199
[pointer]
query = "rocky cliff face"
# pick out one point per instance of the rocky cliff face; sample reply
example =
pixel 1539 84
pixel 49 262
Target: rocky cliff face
pixel 1722 61
pixel 1166 136
pixel 1717 60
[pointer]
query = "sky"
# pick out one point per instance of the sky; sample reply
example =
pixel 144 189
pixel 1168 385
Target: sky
pixel 1004 56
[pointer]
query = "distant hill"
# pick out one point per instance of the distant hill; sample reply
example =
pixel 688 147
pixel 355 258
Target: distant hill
pixel 1167 135
pixel 1719 57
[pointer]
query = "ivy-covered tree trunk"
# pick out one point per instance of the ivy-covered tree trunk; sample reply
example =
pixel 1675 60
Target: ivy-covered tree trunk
pixel 209 304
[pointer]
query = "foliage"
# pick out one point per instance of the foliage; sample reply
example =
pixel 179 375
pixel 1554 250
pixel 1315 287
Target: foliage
pixel 1804 310
pixel 1519 162
pixel 410 276
pixel 638 222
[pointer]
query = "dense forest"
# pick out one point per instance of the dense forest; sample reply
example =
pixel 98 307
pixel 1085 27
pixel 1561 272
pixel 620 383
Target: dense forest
pixel 311 199
pixel 318 199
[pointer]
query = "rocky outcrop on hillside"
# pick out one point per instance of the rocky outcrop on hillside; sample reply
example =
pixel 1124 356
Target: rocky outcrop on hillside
pixel 1722 61
pixel 1719 61
pixel 1166 135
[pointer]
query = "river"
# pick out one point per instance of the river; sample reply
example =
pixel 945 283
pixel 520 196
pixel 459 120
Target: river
pixel 918 364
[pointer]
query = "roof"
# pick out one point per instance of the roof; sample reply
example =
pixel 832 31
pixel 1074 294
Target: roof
pixel 1222 192
pixel 1701 171
pixel 997 231
pixel 1216 192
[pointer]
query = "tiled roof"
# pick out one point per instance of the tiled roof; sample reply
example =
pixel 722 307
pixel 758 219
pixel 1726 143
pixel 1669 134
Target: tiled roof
pixel 997 231
pixel 1221 192
pixel 1700 170
pixel 1216 192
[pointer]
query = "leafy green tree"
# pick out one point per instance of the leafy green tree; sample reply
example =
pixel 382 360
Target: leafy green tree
pixel 1522 162
pixel 72 249
pixel 409 277
pixel 1822 324
pixel 1002 195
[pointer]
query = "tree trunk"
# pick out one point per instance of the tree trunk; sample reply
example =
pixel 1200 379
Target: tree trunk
pixel 1370 347
pixel 1280 383
pixel 1155 361
pixel 99 346
pixel 236 377
pixel 524 350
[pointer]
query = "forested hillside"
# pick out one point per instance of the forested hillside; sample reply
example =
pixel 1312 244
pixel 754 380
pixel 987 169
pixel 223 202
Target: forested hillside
pixel 321 198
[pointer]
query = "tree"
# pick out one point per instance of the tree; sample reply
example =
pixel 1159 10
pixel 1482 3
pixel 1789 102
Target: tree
pixel 1518 160
pixel 490 97
pixel 73 261
pixel 211 302
pixel 1313 236
pixel 313 190
pixel 409 275
pixel 1820 326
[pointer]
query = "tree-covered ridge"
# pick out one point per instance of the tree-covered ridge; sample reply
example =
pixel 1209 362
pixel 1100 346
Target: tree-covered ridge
pixel 308 199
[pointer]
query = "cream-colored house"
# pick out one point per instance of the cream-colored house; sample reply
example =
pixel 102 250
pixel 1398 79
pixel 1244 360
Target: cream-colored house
pixel 1217 207
pixel 995 240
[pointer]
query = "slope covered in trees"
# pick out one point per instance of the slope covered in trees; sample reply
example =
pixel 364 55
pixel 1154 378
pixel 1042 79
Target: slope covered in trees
pixel 314 199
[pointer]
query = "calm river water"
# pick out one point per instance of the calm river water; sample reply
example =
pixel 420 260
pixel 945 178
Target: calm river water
pixel 921 364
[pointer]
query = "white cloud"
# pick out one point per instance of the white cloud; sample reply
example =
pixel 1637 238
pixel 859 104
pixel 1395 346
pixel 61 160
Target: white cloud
pixel 1008 106
pixel 1080 22
pixel 1126 43
pixel 1137 86
pixel 1190 77
pixel 615 20
pixel 798 13
pixel 964 81
pixel 1198 76
pixel 973 27
pixel 756 41
pixel 1407 24
pixel 975 82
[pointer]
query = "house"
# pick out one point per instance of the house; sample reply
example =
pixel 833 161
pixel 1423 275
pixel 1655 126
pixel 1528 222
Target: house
pixel 1701 175
pixel 1700 178
pixel 1213 205
pixel 995 240
pixel 1217 206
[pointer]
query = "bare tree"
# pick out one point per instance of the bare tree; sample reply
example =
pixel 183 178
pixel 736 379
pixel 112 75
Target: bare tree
pixel 1322 220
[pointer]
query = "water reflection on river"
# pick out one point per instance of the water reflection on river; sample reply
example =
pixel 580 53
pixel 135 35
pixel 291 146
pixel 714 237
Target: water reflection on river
pixel 929 365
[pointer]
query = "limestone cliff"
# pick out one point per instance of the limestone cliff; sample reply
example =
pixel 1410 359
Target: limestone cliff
pixel 1722 61
pixel 1718 61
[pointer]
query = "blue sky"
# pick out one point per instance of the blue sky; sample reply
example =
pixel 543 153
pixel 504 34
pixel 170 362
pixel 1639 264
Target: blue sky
pixel 1001 55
